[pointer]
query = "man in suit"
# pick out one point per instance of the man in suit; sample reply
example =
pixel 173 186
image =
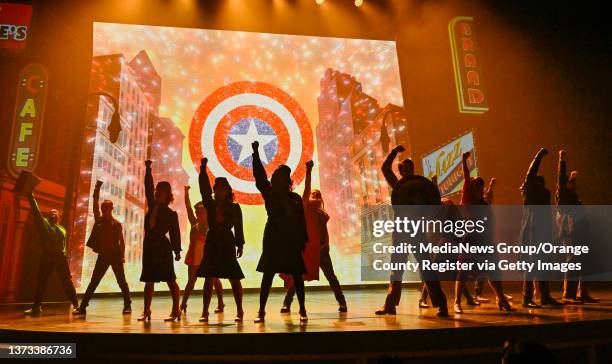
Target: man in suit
pixel 106 239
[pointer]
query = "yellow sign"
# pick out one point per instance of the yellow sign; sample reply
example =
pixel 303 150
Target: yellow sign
pixel 28 119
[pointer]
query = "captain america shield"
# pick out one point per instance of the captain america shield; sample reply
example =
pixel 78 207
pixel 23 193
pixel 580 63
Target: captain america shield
pixel 232 117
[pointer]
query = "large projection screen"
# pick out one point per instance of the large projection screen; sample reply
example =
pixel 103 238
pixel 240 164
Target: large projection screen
pixel 187 92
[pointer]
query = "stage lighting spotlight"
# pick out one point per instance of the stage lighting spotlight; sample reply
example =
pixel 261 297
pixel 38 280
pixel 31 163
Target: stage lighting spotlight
pixel 319 2
pixel 358 2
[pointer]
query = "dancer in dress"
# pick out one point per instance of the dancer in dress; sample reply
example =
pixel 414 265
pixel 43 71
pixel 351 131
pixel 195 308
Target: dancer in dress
pixel 285 234
pixel 316 253
pixel 157 249
pixel 224 242
pixel 193 258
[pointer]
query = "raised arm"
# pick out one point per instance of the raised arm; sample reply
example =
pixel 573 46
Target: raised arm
pixel 190 215
pixel 562 171
pixel 466 169
pixel 204 181
pixel 489 193
pixel 39 220
pixel 302 230
pixel 387 166
pixel 259 172
pixel 96 200
pixel 148 183
pixel 535 164
pixel 238 231
pixel 434 180
pixel 307 181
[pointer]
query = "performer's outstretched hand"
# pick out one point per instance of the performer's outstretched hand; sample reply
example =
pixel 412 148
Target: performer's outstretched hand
pixel 399 149
pixel 148 163
pixel 187 188
pixel 466 155
pixel 204 162
pixel 177 256
pixel 239 252
pixel 562 154
pixel 99 183
pixel 309 165
pixel 543 152
pixel 255 146
pixel 492 183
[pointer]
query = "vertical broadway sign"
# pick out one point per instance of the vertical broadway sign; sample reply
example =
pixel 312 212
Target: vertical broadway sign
pixel 471 93
pixel 28 119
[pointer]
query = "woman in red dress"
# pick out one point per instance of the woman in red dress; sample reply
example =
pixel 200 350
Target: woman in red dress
pixel 197 237
pixel 316 254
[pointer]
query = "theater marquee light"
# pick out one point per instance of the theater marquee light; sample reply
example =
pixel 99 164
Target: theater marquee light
pixel 471 93
pixel 28 119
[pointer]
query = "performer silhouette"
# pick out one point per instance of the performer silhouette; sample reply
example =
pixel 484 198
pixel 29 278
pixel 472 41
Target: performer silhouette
pixel 195 252
pixel 473 194
pixel 106 239
pixel 223 247
pixel 52 237
pixel 536 227
pixel 157 264
pixel 410 189
pixel 285 234
pixel 572 227
pixel 316 253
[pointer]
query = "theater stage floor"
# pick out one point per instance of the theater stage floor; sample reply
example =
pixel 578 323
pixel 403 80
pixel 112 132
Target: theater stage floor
pixel 577 334
pixel 104 315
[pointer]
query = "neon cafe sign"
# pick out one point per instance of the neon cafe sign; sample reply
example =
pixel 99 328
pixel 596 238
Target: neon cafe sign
pixel 28 119
pixel 471 94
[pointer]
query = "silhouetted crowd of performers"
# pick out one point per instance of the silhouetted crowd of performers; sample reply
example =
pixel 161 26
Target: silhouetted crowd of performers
pixel 295 241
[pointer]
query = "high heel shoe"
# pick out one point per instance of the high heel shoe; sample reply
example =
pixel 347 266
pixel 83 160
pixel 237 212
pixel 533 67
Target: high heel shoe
pixel 505 306
pixel 145 316
pixel 183 308
pixel 423 303
pixel 204 317
pixel 220 308
pixel 261 317
pixel 239 316
pixel 174 316
pixel 303 316
pixel 457 308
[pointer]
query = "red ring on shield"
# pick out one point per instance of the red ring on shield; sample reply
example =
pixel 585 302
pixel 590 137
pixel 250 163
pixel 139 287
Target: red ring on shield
pixel 284 141
pixel 244 112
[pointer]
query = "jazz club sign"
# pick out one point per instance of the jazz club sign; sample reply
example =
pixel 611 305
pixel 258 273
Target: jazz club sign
pixel 471 93
pixel 445 163
pixel 15 21
pixel 28 119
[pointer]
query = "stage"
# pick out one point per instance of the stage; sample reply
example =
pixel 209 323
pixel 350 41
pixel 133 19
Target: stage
pixel 575 333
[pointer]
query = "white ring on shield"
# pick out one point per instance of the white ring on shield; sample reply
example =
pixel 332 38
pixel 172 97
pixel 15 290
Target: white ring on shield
pixel 233 102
